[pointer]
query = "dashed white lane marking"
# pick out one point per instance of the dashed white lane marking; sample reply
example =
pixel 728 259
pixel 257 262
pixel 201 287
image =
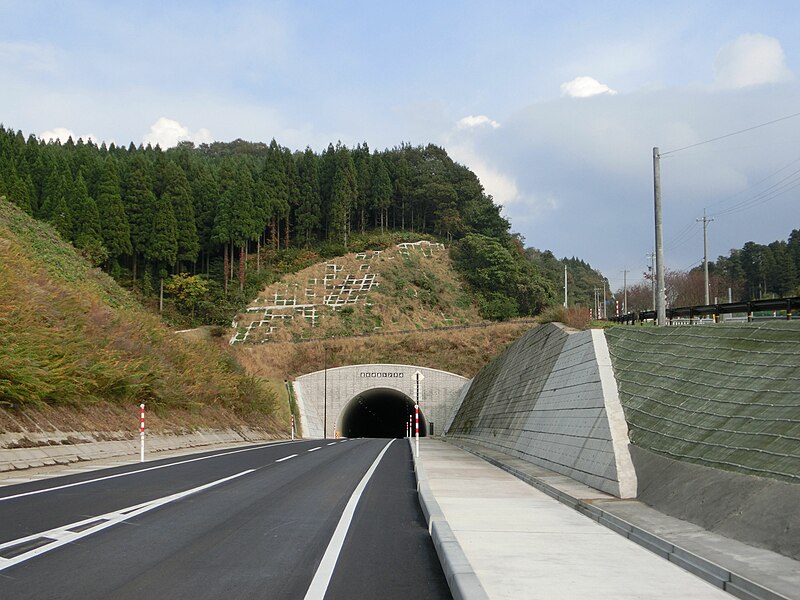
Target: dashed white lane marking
pixel 319 585
pixel 312 449
pixel 182 462
pixel 331 444
pixel 26 548
pixel 286 458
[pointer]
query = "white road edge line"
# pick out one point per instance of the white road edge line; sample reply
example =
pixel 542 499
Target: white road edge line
pixel 286 458
pixel 62 535
pixel 312 449
pixel 183 462
pixel 319 585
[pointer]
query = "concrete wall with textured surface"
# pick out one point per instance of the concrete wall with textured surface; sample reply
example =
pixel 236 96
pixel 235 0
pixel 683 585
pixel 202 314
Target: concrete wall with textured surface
pixel 551 398
pixel 438 392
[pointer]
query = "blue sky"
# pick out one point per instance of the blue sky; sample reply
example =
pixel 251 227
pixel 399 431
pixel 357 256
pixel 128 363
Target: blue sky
pixel 555 105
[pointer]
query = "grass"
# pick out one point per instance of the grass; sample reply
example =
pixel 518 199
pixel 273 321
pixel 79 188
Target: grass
pixel 461 351
pixel 73 338
pixel 726 396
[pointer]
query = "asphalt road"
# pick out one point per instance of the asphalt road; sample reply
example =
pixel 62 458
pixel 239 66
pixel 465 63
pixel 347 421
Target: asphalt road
pixel 267 521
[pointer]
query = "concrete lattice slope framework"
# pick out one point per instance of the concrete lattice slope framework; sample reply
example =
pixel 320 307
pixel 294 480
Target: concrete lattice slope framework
pixel 551 399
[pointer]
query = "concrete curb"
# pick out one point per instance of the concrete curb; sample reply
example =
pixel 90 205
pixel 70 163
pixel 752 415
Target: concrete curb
pixel 719 576
pixel 464 583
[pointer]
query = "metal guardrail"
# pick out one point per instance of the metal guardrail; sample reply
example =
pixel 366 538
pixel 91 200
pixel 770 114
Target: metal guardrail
pixel 783 308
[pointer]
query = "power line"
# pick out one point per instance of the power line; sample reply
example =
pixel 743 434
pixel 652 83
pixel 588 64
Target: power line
pixel 727 135
pixel 779 188
pixel 756 184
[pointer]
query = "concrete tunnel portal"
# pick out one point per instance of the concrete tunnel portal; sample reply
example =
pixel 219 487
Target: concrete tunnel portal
pixel 379 413
pixel 375 400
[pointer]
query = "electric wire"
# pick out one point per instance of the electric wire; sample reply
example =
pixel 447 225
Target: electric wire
pixel 727 135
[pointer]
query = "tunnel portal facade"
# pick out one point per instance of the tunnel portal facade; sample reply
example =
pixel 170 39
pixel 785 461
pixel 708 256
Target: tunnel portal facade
pixel 374 400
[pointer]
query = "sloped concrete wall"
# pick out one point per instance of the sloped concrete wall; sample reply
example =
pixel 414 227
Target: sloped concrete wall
pixel 551 398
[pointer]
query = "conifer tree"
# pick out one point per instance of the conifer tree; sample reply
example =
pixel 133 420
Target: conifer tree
pixel 276 189
pixel 309 202
pixel 115 230
pixel 163 246
pixel 380 191
pixel 343 195
pixel 140 206
pixel 86 221
pixel 178 191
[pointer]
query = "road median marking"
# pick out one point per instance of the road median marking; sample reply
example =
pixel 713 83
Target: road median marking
pixel 22 549
pixel 319 585
pixel 116 475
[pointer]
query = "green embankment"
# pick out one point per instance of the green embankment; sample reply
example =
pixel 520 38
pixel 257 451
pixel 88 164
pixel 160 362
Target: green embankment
pixel 724 396
pixel 70 336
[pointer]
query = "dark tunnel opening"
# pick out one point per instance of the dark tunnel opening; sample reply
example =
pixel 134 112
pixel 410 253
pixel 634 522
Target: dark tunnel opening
pixel 380 413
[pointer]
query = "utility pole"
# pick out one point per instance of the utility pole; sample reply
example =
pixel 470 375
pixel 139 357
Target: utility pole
pixel 565 286
pixel 652 257
pixel 596 303
pixel 705 221
pixel 625 289
pixel 604 299
pixel 661 309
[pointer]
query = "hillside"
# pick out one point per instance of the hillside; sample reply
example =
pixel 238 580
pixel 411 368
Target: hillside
pixel 81 352
pixel 404 287
pixel 464 351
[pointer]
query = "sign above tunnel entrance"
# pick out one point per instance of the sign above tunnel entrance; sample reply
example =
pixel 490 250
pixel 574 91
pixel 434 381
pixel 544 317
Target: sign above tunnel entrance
pixel 382 374
pixel 323 396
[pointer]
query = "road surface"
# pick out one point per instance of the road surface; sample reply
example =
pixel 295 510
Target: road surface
pixel 281 520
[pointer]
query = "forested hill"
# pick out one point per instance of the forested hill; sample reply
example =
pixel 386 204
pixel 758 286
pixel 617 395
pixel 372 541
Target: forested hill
pixel 229 213
pixel 153 211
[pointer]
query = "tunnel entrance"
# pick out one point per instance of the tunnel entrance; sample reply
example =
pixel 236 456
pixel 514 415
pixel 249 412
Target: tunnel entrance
pixel 379 413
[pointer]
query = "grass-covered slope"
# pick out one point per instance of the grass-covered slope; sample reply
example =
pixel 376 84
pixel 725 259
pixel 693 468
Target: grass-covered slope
pixel 462 351
pixel 401 288
pixel 724 396
pixel 69 335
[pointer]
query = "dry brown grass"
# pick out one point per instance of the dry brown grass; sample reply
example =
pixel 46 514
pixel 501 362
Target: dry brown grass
pixel 462 351
pixel 414 292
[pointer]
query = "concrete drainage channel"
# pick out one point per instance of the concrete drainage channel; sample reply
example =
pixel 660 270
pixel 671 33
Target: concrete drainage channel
pixel 465 583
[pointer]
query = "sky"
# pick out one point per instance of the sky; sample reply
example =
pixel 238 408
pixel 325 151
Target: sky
pixel 555 105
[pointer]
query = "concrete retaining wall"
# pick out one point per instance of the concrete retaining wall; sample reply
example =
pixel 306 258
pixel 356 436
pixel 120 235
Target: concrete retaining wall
pixel 551 398
pixel 64 448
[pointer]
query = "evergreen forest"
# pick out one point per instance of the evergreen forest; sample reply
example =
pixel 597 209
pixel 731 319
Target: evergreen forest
pixel 207 220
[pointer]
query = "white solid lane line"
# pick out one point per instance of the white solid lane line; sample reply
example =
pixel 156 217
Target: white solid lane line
pixel 312 449
pixel 183 462
pixel 17 550
pixel 286 458
pixel 319 585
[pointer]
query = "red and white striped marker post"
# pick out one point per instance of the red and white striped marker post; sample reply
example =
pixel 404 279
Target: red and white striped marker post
pixel 416 424
pixel 292 426
pixel 141 433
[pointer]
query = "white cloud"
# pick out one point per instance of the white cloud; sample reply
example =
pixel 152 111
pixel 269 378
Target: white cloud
pixel 168 133
pixel 585 87
pixel 477 121
pixel 751 59
pixel 63 134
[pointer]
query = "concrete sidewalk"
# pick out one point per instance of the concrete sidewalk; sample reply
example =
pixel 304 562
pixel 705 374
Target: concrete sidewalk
pixel 499 537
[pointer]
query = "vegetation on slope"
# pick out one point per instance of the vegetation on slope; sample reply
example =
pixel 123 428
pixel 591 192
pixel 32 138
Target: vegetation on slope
pixel 463 351
pixel 71 336
pixel 724 396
